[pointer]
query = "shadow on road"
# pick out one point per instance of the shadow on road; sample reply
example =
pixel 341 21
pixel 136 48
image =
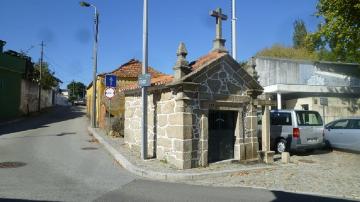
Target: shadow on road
pixel 18 200
pixel 294 197
pixel 55 114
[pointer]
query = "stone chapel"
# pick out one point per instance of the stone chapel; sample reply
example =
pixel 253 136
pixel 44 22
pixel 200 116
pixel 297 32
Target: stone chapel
pixel 204 113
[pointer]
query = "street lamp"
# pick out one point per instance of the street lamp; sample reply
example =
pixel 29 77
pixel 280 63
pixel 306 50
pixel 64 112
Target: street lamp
pixel 96 26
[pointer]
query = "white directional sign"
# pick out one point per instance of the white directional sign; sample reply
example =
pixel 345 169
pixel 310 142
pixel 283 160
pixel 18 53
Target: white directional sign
pixel 109 92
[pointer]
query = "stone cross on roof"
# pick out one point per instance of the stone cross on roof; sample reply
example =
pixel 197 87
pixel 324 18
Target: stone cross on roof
pixel 219 42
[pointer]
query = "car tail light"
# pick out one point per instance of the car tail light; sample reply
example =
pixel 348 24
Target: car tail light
pixel 296 132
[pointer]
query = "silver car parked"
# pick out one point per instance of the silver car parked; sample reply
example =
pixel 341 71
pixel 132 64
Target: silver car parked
pixel 295 130
pixel 343 134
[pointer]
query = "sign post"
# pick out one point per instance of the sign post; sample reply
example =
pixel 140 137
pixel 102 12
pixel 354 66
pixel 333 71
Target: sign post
pixel 110 83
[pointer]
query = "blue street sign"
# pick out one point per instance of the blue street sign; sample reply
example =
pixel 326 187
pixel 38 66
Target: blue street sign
pixel 110 81
pixel 145 80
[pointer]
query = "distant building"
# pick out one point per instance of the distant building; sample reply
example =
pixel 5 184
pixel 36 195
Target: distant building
pixel 19 93
pixel 331 88
pixel 126 74
pixel 65 93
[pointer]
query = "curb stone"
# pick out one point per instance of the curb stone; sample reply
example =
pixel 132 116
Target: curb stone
pixel 165 175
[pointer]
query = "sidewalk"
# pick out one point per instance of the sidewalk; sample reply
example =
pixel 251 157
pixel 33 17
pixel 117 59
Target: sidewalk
pixel 159 170
pixel 324 173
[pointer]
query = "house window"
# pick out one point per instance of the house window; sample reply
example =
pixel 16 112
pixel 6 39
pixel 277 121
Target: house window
pixel 315 101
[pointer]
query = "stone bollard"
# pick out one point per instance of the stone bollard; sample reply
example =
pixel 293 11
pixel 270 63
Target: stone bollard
pixel 285 157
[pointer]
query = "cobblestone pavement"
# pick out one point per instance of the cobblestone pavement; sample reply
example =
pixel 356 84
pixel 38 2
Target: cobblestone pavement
pixel 332 173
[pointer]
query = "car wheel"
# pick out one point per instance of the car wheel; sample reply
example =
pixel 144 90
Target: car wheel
pixel 327 145
pixel 281 146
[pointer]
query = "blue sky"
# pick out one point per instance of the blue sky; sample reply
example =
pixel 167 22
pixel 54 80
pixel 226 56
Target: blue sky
pixel 66 29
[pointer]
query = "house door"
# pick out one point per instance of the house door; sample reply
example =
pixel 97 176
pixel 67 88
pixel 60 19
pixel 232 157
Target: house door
pixel 221 135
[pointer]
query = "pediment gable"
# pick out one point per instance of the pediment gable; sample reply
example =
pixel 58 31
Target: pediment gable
pixel 222 75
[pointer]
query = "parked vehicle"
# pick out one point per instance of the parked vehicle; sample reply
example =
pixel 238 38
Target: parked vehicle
pixel 343 134
pixel 292 130
pixel 80 102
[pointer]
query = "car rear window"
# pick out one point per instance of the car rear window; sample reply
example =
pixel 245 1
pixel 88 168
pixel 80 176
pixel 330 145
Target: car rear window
pixel 308 118
pixel 280 118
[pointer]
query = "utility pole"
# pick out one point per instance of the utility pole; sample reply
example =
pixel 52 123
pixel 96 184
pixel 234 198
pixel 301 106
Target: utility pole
pixel 144 88
pixel 40 70
pixel 233 29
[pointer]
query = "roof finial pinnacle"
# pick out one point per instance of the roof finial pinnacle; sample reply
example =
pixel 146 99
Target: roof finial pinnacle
pixel 181 51
pixel 182 65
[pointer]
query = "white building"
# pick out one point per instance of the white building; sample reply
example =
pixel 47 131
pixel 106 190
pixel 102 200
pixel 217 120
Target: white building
pixel 331 88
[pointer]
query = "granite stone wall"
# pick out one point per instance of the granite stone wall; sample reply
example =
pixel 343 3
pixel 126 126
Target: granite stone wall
pixel 132 123
pixel 178 119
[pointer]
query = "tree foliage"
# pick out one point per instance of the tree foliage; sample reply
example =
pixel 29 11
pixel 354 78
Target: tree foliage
pixel 48 80
pixel 339 30
pixel 76 90
pixel 280 51
pixel 300 33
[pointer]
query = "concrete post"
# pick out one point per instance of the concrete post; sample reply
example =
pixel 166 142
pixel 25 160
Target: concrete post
pixel 265 129
pixel 279 100
pixel 239 147
pixel 204 140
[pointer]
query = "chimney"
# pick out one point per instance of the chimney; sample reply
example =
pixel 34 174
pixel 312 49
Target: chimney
pixel 2 44
pixel 181 67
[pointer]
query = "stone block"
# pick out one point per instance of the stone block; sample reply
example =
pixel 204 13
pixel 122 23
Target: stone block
pixel 180 164
pixel 204 145
pixel 239 152
pixel 180 119
pixel 195 144
pixel 160 132
pixel 162 120
pixel 179 132
pixel 129 112
pixel 267 156
pixel 214 85
pixel 166 96
pixel 164 142
pixel 182 145
pixel 185 156
pixel 160 153
pixel 168 107
pixel 249 151
pixel 285 157
pixel 204 158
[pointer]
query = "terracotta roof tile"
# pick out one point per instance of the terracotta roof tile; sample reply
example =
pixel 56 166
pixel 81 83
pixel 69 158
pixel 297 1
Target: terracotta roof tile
pixel 132 69
pixel 205 59
pixel 160 78
pixel 155 81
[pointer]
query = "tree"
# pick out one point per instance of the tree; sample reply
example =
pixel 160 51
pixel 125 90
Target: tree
pixel 280 51
pixel 339 30
pixel 300 33
pixel 76 90
pixel 48 80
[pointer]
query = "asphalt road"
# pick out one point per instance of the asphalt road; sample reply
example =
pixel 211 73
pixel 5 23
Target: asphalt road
pixel 54 159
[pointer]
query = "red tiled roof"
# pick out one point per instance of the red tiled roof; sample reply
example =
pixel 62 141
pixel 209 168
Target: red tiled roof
pixel 205 59
pixel 132 69
pixel 160 80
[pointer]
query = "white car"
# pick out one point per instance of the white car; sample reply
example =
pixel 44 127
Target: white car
pixel 343 134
